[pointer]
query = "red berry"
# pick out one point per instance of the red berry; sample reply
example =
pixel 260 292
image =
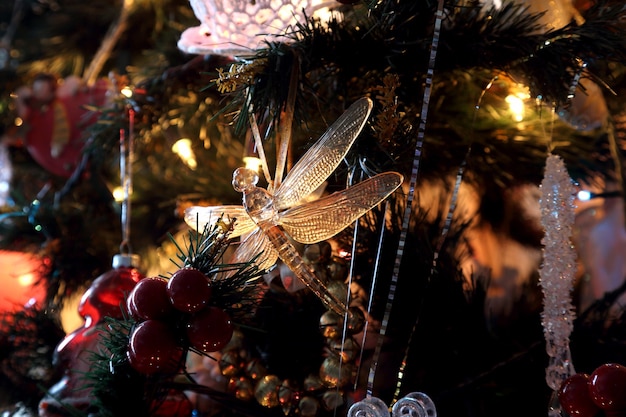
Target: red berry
pixel 149 300
pixel 152 348
pixel 209 330
pixel 189 290
pixel 574 396
pixel 607 385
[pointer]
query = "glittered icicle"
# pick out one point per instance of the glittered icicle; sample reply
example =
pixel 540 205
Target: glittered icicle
pixel 558 269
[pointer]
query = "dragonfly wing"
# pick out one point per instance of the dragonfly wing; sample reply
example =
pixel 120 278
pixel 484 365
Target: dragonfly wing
pixel 324 156
pixel 324 218
pixel 256 245
pixel 198 218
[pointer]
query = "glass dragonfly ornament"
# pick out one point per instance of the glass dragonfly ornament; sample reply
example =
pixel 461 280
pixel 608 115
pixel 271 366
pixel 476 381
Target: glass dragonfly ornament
pixel 267 220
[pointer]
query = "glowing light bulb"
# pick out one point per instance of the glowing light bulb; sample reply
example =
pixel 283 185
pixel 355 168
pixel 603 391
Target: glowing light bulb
pixel 584 195
pixel 26 280
pixel 127 92
pixel 118 194
pixel 182 148
pixel 252 162
pixel 516 104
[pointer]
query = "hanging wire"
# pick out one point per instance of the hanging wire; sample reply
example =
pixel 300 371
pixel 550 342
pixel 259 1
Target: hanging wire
pixel 409 202
pixel 126 158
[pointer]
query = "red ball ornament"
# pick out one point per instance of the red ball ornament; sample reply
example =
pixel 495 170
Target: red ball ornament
pixel 105 296
pixel 189 290
pixel 209 330
pixel 607 387
pixel 152 348
pixel 575 398
pixel 149 300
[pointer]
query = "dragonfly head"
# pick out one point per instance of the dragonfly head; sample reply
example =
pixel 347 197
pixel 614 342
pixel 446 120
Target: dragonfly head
pixel 244 179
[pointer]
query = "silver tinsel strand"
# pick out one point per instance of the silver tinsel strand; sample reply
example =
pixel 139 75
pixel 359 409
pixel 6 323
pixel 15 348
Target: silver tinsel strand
pixel 558 269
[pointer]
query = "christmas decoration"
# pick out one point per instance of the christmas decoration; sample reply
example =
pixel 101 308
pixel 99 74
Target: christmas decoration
pixel 558 270
pixel 56 118
pixel 148 300
pixel 416 61
pixel 263 212
pixel 189 290
pixel 152 348
pixel 104 298
pixel 601 392
pixel 241 26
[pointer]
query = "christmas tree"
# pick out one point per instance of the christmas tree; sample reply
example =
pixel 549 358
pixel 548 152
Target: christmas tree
pixel 427 272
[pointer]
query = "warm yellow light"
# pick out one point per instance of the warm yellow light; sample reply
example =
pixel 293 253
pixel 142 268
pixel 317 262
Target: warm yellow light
pixel 516 105
pixel 26 280
pixel 118 194
pixel 18 121
pixel 182 148
pixel 127 92
pixel 252 163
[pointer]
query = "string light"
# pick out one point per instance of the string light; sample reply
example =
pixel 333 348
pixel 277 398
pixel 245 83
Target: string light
pixel 183 149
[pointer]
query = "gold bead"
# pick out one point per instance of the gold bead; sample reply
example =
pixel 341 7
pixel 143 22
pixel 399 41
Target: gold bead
pixel 337 270
pixel 255 369
pixel 356 320
pixel 230 363
pixel 333 373
pixel 236 341
pixel 347 349
pixel 332 399
pixel 339 289
pixel 288 396
pixel 331 325
pixel 266 391
pixel 242 388
pixel 308 406
pixel 313 383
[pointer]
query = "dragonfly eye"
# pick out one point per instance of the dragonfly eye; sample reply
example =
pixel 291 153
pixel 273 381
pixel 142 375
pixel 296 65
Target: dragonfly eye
pixel 244 179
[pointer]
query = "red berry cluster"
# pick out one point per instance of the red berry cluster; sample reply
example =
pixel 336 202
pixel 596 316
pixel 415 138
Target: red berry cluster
pixel 586 395
pixel 174 315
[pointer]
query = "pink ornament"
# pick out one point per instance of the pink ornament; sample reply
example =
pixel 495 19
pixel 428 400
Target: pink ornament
pixel 235 27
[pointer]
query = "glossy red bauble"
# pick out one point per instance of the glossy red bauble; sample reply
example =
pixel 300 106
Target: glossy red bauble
pixel 209 330
pixel 607 387
pixel 189 290
pixel 149 300
pixel 105 296
pixel 575 398
pixel 152 348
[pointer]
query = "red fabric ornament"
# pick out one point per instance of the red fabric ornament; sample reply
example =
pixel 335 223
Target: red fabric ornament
pixel 55 121
pixel 105 297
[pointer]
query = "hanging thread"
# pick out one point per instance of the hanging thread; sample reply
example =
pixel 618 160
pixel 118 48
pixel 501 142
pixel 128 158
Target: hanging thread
pixel 126 158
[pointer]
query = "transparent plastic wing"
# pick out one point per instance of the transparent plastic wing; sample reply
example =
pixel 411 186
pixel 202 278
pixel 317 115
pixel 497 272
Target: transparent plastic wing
pixel 322 219
pixel 324 156
pixel 256 244
pixel 198 217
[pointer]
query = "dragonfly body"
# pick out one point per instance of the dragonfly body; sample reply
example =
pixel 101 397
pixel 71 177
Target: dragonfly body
pixel 267 220
pixel 259 204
